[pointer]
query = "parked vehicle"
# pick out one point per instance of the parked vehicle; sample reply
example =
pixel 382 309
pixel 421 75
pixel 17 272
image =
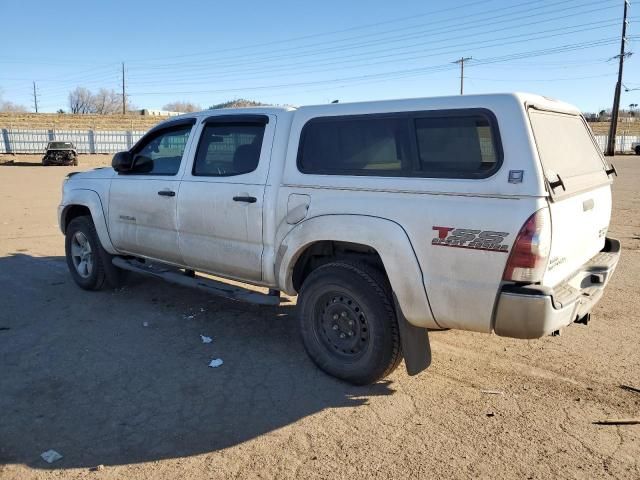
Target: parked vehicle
pixel 60 153
pixel 387 219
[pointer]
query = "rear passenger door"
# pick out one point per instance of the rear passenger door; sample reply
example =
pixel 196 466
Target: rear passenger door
pixel 221 197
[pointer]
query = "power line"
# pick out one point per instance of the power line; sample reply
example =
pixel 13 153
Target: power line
pixel 465 26
pixel 322 34
pixel 408 72
pixel 468 21
pixel 557 79
pixel 478 46
pixel 99 75
pixel 417 54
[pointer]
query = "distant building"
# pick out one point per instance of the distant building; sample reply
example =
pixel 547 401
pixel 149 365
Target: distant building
pixel 159 113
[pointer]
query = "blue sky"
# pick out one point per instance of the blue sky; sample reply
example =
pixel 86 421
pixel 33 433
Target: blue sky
pixel 294 52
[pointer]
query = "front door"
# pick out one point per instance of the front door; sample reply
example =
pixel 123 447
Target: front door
pixel 221 198
pixel 143 202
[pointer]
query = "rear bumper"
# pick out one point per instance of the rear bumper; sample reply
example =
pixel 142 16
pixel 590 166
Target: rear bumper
pixel 533 311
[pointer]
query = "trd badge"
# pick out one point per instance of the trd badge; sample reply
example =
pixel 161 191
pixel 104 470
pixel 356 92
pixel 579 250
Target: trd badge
pixel 473 239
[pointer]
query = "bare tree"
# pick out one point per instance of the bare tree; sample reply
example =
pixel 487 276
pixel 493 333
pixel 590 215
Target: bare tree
pixel 81 101
pixel 10 106
pixel 106 102
pixel 184 107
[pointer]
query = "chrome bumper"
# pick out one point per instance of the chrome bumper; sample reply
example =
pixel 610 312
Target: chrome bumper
pixel 533 311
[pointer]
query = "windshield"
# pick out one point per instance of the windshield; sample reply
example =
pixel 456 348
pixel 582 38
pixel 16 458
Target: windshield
pixel 567 150
pixel 60 145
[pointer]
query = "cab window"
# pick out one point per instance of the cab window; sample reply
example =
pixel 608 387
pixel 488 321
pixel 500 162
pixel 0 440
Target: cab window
pixel 162 153
pixel 228 149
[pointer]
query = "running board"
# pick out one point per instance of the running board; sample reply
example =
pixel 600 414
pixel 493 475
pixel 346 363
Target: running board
pixel 177 276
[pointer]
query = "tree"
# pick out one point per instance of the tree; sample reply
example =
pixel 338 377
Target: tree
pixel 183 107
pixel 81 101
pixel 238 103
pixel 106 102
pixel 10 106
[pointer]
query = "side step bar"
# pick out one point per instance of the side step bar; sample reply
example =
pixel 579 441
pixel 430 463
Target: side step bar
pixel 177 276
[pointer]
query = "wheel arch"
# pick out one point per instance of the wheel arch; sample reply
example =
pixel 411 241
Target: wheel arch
pixel 86 202
pixel 383 242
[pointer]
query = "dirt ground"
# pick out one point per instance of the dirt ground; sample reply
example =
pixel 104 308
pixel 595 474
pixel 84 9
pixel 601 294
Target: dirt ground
pixel 81 373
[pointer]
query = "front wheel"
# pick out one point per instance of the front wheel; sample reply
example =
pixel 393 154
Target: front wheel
pixel 90 265
pixel 638 150
pixel 348 322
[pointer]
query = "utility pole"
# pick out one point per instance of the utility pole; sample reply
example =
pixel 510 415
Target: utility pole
pixel 35 97
pixel 461 62
pixel 611 141
pixel 124 94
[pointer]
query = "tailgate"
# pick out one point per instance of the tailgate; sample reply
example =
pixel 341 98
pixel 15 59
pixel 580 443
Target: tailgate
pixel 579 188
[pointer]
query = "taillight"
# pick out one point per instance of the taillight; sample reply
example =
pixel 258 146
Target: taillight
pixel 530 252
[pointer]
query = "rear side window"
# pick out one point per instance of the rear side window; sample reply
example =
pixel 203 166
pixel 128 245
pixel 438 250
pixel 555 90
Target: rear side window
pixel 228 149
pixel 567 151
pixel 365 146
pixel 457 146
pixel 454 144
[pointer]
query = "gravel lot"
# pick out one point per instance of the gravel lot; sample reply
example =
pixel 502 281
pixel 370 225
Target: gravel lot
pixel 81 373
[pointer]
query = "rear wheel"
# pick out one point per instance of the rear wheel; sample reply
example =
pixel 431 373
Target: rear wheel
pixel 348 323
pixel 90 265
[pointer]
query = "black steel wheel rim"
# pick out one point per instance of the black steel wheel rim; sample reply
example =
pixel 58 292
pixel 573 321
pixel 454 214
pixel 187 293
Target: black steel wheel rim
pixel 341 325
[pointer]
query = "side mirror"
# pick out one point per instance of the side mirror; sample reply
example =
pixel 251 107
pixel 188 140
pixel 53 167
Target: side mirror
pixel 122 162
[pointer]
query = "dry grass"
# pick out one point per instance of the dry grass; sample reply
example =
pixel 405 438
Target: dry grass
pixel 627 128
pixel 77 121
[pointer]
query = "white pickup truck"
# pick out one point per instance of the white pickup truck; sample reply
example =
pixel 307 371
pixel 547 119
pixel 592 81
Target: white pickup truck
pixel 486 213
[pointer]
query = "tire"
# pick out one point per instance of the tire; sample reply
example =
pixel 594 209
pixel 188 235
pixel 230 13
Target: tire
pixel 638 150
pixel 89 264
pixel 348 323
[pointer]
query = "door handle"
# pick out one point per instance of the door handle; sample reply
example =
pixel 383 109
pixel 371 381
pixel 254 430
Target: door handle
pixel 167 193
pixel 245 199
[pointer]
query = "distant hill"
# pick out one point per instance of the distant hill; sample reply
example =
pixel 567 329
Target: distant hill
pixel 238 103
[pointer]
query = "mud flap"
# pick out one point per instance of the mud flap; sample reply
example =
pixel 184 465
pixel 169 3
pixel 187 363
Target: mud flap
pixel 416 348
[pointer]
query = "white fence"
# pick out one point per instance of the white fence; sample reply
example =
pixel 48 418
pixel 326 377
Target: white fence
pixel 111 141
pixel 623 142
pixel 86 141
